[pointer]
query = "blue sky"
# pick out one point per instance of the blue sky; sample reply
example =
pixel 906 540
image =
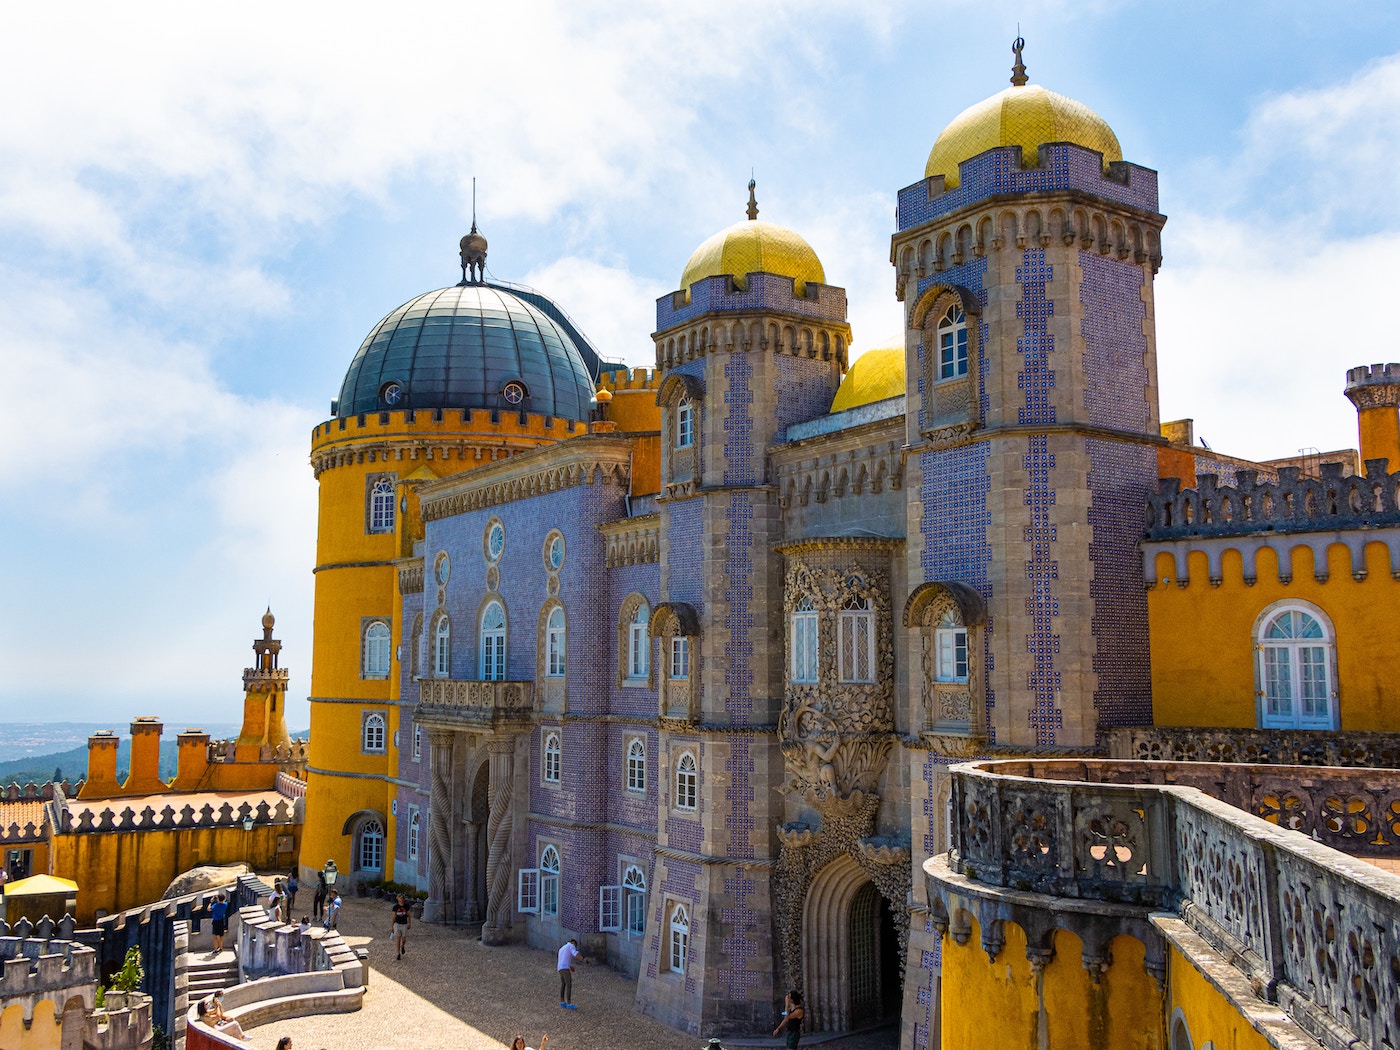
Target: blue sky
pixel 203 212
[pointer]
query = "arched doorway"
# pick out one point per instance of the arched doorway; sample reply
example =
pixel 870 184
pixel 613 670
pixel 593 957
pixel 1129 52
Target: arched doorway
pixel 850 950
pixel 477 843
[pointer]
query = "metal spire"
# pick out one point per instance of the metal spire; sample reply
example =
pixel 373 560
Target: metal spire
pixel 753 201
pixel 1018 71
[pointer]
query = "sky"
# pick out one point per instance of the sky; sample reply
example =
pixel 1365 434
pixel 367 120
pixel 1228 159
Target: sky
pixel 204 208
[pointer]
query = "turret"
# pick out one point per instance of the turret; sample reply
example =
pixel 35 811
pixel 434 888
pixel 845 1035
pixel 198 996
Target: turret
pixel 264 700
pixel 1375 391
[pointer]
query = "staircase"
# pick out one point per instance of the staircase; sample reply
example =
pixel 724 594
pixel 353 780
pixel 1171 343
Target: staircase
pixel 208 973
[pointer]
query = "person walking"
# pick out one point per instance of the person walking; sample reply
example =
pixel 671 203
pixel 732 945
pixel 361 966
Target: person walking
pixel 567 954
pixel 333 912
pixel 292 886
pixel 318 902
pixel 218 922
pixel 792 1019
pixel 402 921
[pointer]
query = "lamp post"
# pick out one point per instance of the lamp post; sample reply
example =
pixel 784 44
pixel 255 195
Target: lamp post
pixel 330 871
pixel 248 822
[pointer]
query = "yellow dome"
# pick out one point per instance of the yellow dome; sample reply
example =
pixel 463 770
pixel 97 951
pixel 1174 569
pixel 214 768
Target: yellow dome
pixel 1023 116
pixel 753 246
pixel 875 375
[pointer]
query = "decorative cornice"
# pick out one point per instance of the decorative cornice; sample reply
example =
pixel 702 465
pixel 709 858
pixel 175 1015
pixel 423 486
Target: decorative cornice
pixel 411 573
pixel 633 541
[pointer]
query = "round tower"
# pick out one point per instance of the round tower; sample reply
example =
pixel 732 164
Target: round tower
pixel 1375 391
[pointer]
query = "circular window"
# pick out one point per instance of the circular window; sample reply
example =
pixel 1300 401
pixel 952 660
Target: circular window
pixel 443 569
pixel 514 392
pixel 495 540
pixel 392 393
pixel 554 551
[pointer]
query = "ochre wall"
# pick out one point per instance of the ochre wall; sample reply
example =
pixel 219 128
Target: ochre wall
pixel 118 870
pixel 1209 1015
pixel 45 1031
pixel 1202 637
pixel 997 1006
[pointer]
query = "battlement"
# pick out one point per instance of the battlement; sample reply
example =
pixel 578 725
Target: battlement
pixel 90 820
pixel 624 379
pixel 1373 375
pixel 124 1023
pixel 1062 167
pixel 17 792
pixel 758 291
pixel 428 423
pixel 37 967
pixel 257 680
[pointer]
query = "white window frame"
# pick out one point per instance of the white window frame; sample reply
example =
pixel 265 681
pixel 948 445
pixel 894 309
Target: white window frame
pixel 549 880
pixel 952 655
pixel 375 660
pixel 381 506
pixel 634 900
pixel 1287 655
pixel 680 657
pixel 806 649
pixel 639 642
pixel 414 829
pixel 493 645
pixel 374 734
pixel 369 850
pixel 635 762
pixel 417 742
pixel 856 616
pixel 442 648
pixel 678 937
pixel 556 643
pixel 610 909
pixel 952 341
pixel 687 782
pixel 685 424
pixel 527 891
pixel 552 757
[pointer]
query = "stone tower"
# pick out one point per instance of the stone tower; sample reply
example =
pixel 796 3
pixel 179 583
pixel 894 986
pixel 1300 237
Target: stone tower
pixel 264 698
pixel 752 341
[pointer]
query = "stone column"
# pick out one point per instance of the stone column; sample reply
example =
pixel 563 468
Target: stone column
pixel 500 861
pixel 439 907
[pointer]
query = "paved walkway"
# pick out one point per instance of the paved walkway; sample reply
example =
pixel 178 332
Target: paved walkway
pixel 449 991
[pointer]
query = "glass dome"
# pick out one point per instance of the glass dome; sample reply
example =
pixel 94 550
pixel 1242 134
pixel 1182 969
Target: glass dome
pixel 473 346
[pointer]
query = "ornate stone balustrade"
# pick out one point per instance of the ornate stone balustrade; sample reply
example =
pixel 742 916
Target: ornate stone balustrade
pixel 1314 930
pixel 1287 747
pixel 290 786
pixel 450 703
pixel 149 818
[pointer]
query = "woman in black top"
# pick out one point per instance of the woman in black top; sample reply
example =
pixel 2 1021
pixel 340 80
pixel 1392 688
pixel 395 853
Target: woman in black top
pixel 792 1019
pixel 402 921
pixel 318 902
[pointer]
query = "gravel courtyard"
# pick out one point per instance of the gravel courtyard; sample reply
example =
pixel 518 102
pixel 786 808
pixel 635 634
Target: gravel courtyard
pixel 450 992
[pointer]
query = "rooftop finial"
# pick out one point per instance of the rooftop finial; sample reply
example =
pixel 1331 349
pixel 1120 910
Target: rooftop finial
pixel 753 201
pixel 1018 71
pixel 473 247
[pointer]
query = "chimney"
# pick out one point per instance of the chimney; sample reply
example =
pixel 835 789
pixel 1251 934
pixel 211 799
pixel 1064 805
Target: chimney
pixel 102 766
pixel 1375 391
pixel 144 778
pixel 194 760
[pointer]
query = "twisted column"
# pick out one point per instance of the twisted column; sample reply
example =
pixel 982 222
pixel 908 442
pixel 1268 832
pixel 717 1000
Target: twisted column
pixel 439 904
pixel 500 827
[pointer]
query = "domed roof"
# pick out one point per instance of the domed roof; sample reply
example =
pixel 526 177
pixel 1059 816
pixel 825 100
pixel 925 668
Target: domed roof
pixel 875 375
pixel 752 246
pixel 1024 115
pixel 473 346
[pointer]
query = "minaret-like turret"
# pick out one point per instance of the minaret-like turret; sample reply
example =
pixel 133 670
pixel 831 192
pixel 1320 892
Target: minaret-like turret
pixel 265 696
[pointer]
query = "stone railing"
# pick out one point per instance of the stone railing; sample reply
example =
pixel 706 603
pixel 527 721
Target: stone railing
pixel 1313 929
pixel 449 701
pixel 1286 747
pixel 289 786
pixel 293 752
pixel 267 948
pixel 1294 503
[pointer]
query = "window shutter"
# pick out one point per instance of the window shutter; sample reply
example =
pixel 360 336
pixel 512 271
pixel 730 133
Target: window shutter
pixel 610 909
pixel 528 891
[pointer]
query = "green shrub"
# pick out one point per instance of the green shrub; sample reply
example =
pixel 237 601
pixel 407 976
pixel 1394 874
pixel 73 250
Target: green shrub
pixel 130 976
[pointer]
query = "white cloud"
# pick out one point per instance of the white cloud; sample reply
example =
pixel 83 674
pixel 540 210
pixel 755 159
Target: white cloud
pixel 614 307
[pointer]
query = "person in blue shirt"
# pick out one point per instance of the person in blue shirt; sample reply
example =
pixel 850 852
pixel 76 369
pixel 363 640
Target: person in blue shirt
pixel 218 916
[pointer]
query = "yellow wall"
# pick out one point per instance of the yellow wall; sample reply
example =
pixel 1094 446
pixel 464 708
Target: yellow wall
pixel 45 1031
pixel 1202 637
pixel 1379 431
pixel 118 870
pixel 998 1005
pixel 1208 1014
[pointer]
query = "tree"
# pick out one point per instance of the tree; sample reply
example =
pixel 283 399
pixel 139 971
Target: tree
pixel 130 976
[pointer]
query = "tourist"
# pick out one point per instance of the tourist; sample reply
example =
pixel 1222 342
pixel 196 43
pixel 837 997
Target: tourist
pixel 792 1019
pixel 519 1043
pixel 274 903
pixel 318 902
pixel 402 921
pixel 567 955
pixel 218 922
pixel 285 1043
pixel 211 1012
pixel 292 886
pixel 305 926
pixel 333 912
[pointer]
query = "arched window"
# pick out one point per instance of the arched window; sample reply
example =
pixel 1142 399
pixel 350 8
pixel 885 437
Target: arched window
pixel 1295 669
pixel 442 648
pixel 371 852
pixel 381 506
pixel 638 643
pixel 376 649
pixel 950 643
pixel 549 881
pixel 857 641
pixel 636 765
pixel 685 424
pixel 413 835
pixel 373 735
pixel 554 644
pixel 952 344
pixel 679 937
pixel 493 643
pixel 804 641
pixel 634 887
pixel 553 758
pixel 687 781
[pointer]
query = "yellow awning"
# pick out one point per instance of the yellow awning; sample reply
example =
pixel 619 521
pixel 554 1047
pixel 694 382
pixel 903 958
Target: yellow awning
pixel 38 884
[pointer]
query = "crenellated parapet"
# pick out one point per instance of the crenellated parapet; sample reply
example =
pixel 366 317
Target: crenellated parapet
pixel 124 1023
pixel 1374 386
pixel 90 820
pixel 622 380
pixel 38 968
pixel 755 292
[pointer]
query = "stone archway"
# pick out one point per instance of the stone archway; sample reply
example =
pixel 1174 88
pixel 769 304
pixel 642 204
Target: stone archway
pixel 844 922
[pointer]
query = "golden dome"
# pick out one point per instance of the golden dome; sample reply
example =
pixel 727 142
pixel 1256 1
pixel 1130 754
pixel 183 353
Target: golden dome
pixel 1024 116
pixel 875 375
pixel 753 246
